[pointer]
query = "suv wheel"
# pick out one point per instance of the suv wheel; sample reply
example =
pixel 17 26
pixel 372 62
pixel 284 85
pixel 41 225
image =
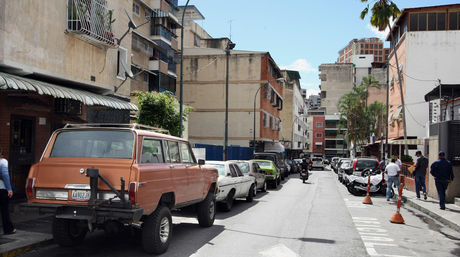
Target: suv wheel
pixel 251 193
pixel 156 232
pixel 68 232
pixel 206 210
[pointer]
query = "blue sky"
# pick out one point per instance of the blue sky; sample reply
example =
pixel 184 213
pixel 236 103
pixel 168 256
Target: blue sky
pixel 299 34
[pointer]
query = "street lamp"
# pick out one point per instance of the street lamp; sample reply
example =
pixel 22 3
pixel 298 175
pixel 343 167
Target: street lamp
pixel 181 97
pixel 255 98
pixel 229 47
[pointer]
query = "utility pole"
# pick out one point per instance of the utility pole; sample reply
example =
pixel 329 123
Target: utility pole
pixel 387 150
pixel 229 47
pixel 181 97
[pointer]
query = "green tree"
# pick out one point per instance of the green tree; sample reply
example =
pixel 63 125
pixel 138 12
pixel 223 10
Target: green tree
pixel 382 12
pixel 160 110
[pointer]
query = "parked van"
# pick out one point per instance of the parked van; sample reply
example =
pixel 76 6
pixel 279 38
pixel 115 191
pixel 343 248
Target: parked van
pixel 99 176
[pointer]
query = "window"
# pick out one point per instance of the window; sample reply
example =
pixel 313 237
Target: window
pixel 319 135
pixel 380 46
pixel 233 171
pixel 122 63
pixel 299 127
pixel 422 21
pixel 238 171
pixel 187 156
pixel 413 24
pixel 173 152
pixel 136 9
pixel 371 46
pixel 366 52
pixel 432 21
pixel 454 21
pixel 148 13
pixel 146 77
pixel 318 147
pixel 196 40
pixel 244 167
pixel 152 151
pixel 441 21
pixel 319 124
pixel 266 120
pixel 367 46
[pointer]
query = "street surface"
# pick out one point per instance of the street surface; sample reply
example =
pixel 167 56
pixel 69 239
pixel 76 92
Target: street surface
pixel 319 218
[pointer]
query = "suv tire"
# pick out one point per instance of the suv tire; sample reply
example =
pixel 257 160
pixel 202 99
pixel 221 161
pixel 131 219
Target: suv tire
pixel 251 193
pixel 156 231
pixel 66 232
pixel 206 211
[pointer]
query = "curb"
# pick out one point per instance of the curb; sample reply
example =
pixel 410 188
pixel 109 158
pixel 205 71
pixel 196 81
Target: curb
pixel 444 221
pixel 27 248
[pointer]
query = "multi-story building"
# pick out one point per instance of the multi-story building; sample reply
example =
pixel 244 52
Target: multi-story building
pixel 372 46
pixel 318 136
pixel 313 101
pixel 293 115
pixel 336 80
pixel 427 42
pixel 63 64
pixel 253 81
pixel 335 144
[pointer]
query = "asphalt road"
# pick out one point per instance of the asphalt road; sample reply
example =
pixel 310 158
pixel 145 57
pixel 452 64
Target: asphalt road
pixel 319 218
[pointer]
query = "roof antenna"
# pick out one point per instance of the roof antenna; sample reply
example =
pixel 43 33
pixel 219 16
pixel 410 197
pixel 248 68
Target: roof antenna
pixel 230 22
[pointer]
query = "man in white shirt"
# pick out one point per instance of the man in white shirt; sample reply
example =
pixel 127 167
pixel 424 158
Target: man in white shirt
pixel 392 169
pixel 398 161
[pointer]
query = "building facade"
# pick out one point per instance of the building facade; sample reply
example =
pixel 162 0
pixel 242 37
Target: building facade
pixel 253 81
pixel 428 48
pixel 313 101
pixel 336 80
pixel 318 147
pixel 372 46
pixel 293 115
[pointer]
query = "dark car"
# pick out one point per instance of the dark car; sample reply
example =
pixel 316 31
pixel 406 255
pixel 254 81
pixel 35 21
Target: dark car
pixel 277 159
pixel 361 164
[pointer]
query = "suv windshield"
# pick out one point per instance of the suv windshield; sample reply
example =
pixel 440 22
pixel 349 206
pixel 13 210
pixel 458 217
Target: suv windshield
pixel 366 164
pixel 94 144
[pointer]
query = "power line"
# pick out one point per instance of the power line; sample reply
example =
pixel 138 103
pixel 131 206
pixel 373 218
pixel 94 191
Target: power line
pixel 426 80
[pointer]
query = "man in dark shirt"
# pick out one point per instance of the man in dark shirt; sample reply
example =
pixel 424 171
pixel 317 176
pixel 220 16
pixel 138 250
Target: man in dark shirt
pixel 420 174
pixel 442 172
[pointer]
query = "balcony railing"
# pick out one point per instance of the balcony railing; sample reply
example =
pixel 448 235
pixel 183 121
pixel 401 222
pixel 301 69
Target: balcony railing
pixel 91 21
pixel 159 30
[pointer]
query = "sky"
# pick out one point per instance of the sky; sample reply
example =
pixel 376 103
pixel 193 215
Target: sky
pixel 299 34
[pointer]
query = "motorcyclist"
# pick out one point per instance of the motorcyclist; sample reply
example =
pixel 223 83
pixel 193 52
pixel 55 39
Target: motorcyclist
pixel 304 164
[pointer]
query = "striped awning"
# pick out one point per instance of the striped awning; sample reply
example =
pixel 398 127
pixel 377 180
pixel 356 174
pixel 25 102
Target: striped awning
pixel 417 141
pixel 8 81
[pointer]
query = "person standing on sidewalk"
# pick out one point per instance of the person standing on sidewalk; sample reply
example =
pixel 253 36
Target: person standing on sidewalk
pixel 443 174
pixel 392 169
pixel 398 161
pixel 6 193
pixel 420 174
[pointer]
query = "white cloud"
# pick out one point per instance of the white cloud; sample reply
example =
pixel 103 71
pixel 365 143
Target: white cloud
pixel 312 92
pixel 381 34
pixel 299 65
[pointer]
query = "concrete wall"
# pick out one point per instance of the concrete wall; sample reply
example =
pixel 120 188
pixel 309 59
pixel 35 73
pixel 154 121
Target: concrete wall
pixel 336 80
pixel 191 28
pixel 33 39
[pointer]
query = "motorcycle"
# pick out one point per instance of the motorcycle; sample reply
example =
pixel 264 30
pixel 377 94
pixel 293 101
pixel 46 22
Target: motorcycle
pixel 357 185
pixel 304 175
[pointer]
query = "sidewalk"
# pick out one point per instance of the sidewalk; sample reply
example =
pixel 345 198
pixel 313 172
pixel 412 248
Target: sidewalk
pixel 33 231
pixel 449 217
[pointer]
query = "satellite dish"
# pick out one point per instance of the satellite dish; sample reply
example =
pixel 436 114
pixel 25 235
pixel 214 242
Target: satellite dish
pixel 131 23
pixel 125 66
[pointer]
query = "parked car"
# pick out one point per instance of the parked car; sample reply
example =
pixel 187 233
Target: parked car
pixel 94 176
pixel 277 159
pixel 293 166
pixel 345 169
pixel 251 168
pixel 232 184
pixel 361 164
pixel 334 162
pixel 317 162
pixel 272 173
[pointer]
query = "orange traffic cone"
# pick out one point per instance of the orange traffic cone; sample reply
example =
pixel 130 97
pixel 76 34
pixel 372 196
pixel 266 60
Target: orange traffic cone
pixel 367 198
pixel 397 217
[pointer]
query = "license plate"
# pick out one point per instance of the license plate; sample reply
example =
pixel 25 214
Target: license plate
pixel 80 195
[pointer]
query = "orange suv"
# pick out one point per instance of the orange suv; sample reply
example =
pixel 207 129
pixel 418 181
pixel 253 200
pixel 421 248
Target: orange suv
pixel 107 176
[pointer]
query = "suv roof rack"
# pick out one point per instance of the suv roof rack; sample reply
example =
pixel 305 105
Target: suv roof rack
pixel 117 125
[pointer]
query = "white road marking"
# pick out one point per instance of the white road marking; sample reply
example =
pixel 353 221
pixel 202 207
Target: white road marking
pixel 279 250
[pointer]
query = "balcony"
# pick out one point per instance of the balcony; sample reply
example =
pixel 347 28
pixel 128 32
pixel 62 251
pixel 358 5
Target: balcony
pixel 160 31
pixel 91 21
pixel 158 65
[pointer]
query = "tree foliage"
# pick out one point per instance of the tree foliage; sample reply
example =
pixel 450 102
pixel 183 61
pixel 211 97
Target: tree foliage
pixel 360 119
pixel 160 110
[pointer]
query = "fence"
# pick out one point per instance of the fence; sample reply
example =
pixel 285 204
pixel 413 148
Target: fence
pixel 216 152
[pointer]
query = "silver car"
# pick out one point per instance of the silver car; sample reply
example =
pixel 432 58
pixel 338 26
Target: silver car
pixel 317 162
pixel 251 168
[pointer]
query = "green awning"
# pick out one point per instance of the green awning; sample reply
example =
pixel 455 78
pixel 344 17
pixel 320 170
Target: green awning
pixel 8 81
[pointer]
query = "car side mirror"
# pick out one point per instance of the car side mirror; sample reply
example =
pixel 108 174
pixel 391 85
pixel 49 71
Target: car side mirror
pixel 229 175
pixel 201 162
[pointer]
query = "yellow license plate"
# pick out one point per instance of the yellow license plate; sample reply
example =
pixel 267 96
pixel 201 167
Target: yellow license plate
pixel 80 195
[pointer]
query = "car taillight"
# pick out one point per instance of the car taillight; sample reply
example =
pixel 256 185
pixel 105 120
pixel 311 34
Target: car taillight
pixel 268 173
pixel 354 164
pixel 30 188
pixel 132 192
pixel 252 175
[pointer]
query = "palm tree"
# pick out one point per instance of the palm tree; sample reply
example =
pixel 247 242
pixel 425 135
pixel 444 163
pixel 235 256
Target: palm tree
pixel 370 82
pixel 382 12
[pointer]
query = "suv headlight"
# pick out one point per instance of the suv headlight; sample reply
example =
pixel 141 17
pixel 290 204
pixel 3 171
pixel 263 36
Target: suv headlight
pixel 53 194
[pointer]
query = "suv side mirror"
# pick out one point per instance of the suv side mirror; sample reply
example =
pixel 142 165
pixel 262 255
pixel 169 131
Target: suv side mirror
pixel 201 162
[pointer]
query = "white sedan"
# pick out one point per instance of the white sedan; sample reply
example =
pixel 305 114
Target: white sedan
pixel 232 184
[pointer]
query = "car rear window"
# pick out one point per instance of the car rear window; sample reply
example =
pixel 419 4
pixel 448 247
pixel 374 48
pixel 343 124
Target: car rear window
pixel 264 164
pixel 94 144
pixel 220 168
pixel 366 164
pixel 265 157
pixel 346 165
pixel 317 159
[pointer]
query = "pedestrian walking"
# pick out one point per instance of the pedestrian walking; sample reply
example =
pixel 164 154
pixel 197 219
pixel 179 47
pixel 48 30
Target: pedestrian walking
pixel 397 161
pixel 420 174
pixel 392 170
pixel 6 193
pixel 443 174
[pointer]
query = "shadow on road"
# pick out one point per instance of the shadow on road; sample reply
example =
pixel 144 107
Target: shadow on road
pixel 303 239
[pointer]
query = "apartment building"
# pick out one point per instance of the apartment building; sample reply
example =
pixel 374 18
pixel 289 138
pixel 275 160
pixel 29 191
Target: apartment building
pixel 336 80
pixel 427 42
pixel 293 115
pixel 334 140
pixel 318 147
pixel 372 46
pixel 313 101
pixel 253 81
